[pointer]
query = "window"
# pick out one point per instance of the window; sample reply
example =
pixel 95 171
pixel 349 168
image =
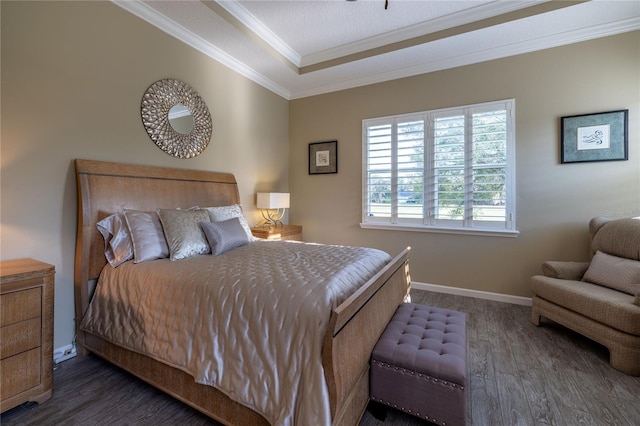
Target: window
pixel 448 170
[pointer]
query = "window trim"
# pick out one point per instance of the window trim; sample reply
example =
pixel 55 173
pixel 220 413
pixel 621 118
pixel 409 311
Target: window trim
pixel 506 228
pixel 489 232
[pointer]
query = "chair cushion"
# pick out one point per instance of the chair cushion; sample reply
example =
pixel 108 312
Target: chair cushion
pixel 602 304
pixel 614 272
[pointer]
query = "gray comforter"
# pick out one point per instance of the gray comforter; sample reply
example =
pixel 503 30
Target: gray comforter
pixel 249 322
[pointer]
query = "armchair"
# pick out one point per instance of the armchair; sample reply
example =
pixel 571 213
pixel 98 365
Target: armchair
pixel 599 299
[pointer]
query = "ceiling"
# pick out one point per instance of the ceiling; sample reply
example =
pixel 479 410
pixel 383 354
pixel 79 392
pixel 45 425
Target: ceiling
pixel 299 48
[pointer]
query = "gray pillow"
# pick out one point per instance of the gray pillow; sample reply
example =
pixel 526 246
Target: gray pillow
pixel 118 247
pixel 614 272
pixel 147 235
pixel 183 232
pixel 217 214
pixel 225 235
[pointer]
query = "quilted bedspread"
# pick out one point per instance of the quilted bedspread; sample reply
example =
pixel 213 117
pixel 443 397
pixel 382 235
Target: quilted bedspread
pixel 249 322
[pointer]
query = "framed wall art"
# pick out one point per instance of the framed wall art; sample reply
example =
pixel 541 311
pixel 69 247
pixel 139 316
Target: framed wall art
pixel 323 157
pixel 602 136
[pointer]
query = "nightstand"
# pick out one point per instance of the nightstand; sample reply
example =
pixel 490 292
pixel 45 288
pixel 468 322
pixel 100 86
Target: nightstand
pixel 26 332
pixel 280 232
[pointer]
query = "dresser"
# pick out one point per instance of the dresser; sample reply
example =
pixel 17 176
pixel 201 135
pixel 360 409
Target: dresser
pixel 26 332
pixel 280 232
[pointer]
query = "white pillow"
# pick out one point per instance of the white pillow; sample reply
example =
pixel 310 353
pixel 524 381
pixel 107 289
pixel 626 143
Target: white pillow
pixel 118 247
pixel 147 236
pixel 227 212
pixel 614 272
pixel 183 232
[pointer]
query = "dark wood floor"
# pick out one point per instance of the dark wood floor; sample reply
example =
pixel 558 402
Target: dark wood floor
pixel 519 375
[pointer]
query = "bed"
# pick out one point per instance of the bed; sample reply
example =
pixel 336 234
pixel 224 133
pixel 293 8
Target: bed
pixel 353 325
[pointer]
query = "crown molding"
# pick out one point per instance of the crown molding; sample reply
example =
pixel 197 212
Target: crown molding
pixel 461 18
pixel 262 31
pixel 500 52
pixel 150 15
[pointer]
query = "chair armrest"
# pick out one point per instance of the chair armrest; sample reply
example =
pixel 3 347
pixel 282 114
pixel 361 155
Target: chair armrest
pixel 565 270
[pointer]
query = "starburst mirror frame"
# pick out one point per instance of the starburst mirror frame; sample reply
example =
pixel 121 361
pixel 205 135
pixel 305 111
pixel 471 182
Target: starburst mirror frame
pixel 166 128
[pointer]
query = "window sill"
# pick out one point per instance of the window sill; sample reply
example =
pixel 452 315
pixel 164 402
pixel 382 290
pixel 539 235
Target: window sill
pixel 487 232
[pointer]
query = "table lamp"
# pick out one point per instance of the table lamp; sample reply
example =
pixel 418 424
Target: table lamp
pixel 273 206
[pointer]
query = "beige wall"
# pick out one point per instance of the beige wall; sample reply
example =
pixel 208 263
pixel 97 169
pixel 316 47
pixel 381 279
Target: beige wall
pixel 554 201
pixel 73 76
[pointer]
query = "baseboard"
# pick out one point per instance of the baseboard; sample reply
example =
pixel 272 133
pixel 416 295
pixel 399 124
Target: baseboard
pixel 498 297
pixel 64 353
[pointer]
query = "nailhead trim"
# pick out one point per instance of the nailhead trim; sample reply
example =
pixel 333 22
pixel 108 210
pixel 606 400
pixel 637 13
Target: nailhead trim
pixel 427 418
pixel 420 375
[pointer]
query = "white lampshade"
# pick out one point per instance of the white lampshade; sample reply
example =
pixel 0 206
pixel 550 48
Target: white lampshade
pixel 273 200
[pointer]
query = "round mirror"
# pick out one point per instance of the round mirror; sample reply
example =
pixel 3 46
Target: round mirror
pixel 176 118
pixel 181 119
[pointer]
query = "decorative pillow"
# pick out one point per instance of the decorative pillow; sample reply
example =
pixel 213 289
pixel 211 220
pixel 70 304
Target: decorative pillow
pixel 147 235
pixel 225 235
pixel 118 247
pixel 227 212
pixel 183 232
pixel 614 272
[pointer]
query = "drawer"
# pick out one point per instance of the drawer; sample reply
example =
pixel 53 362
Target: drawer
pixel 20 373
pixel 20 337
pixel 20 306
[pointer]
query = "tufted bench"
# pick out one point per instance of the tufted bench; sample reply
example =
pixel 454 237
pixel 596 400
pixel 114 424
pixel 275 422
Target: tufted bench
pixel 419 364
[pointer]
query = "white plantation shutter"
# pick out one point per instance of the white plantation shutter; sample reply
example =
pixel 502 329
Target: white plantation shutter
pixel 446 169
pixel 379 171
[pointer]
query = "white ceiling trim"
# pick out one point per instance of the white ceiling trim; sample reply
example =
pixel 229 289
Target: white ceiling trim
pixel 262 31
pixel 150 15
pixel 443 23
pixel 499 52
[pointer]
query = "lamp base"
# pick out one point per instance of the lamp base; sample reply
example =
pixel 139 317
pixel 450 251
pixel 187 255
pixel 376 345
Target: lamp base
pixel 272 218
pixel 272 224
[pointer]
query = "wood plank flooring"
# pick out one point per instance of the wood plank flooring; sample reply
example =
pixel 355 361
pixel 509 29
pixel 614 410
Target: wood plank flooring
pixel 519 374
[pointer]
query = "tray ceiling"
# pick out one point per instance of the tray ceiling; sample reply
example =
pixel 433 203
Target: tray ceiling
pixel 299 48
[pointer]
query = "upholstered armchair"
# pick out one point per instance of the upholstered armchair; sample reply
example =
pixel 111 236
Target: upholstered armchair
pixel 599 299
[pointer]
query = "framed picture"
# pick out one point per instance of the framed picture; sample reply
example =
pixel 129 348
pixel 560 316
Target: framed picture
pixel 601 136
pixel 323 157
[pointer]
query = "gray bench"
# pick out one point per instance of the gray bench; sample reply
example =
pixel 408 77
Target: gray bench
pixel 419 364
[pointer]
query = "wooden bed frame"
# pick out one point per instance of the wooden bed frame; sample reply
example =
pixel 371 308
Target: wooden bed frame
pixel 355 325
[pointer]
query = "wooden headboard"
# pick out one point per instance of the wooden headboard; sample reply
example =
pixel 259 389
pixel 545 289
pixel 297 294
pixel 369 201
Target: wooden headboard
pixel 105 188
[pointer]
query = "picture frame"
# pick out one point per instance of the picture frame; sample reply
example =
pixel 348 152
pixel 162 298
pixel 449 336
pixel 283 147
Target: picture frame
pixel 323 157
pixel 602 136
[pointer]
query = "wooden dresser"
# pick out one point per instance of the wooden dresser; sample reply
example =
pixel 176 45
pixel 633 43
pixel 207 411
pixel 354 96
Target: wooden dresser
pixel 26 332
pixel 280 232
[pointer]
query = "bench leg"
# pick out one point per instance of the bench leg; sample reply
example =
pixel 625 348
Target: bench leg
pixel 377 410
